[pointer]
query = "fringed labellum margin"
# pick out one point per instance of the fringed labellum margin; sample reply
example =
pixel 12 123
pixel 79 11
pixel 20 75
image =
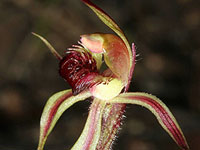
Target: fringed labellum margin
pixel 80 67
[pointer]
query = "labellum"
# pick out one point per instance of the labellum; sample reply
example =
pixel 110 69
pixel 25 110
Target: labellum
pixel 78 69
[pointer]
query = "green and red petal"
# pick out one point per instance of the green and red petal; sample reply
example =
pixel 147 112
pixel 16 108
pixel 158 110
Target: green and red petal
pixel 160 110
pixel 54 108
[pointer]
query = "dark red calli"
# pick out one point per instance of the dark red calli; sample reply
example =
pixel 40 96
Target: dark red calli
pixel 78 69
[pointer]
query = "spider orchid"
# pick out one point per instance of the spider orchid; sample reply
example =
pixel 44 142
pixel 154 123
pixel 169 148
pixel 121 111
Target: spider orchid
pixel 80 67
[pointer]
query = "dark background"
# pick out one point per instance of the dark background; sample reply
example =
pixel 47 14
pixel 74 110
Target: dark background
pixel 166 34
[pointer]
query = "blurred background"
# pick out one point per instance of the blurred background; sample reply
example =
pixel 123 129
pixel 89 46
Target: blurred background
pixel 166 34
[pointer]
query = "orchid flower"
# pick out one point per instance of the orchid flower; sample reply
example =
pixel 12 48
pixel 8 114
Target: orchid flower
pixel 80 67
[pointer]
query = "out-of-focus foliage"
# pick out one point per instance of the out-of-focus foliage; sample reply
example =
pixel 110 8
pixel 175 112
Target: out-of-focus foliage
pixel 166 35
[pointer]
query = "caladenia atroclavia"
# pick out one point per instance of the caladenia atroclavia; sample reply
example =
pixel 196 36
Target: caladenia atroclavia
pixel 80 67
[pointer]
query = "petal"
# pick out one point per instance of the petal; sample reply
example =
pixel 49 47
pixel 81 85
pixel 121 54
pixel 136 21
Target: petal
pixel 111 23
pixel 51 48
pixel 53 109
pixel 91 133
pixel 160 110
